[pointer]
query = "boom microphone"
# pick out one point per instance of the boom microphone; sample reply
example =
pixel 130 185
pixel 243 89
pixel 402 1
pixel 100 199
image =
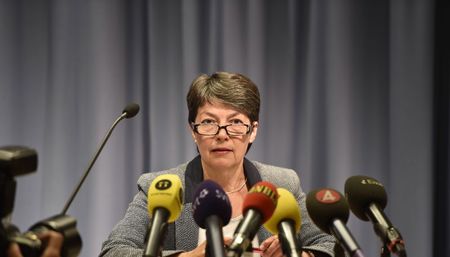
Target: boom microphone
pixel 165 199
pixel 131 110
pixel 62 223
pixel 367 199
pixel 328 209
pixel 211 211
pixel 259 204
pixel 128 112
pixel 286 222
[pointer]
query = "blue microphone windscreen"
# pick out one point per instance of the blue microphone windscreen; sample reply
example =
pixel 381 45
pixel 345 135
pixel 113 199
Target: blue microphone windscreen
pixel 210 199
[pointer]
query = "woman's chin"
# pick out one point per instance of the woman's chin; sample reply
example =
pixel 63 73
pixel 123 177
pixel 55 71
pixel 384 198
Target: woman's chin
pixel 222 162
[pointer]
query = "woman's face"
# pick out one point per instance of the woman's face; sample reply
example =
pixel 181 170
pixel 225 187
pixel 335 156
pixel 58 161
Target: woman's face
pixel 222 151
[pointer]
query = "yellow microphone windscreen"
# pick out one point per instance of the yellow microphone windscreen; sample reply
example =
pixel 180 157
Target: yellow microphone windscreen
pixel 166 191
pixel 287 208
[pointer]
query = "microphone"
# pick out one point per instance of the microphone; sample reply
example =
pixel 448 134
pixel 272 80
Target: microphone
pixel 367 199
pixel 286 222
pixel 128 112
pixel 211 211
pixel 165 199
pixel 328 209
pixel 259 204
pixel 131 110
pixel 65 224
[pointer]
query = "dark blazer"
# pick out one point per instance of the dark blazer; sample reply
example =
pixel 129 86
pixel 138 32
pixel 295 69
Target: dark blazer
pixel 127 237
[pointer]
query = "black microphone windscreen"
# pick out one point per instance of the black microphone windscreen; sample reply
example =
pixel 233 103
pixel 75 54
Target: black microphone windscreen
pixel 210 199
pixel 361 191
pixel 131 110
pixel 324 206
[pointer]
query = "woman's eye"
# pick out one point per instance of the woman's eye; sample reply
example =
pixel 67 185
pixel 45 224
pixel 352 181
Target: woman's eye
pixel 236 121
pixel 208 121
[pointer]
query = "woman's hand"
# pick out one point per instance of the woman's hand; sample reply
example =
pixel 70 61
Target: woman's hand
pixel 271 247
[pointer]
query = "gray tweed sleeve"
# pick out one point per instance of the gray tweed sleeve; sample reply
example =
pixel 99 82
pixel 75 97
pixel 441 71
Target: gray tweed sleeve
pixel 128 236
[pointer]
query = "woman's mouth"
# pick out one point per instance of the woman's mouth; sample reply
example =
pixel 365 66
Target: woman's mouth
pixel 221 150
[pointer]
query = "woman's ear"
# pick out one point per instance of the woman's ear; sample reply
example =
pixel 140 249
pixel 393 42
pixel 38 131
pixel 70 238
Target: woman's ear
pixel 254 131
pixel 193 135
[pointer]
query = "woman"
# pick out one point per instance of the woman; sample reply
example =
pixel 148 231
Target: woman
pixel 223 117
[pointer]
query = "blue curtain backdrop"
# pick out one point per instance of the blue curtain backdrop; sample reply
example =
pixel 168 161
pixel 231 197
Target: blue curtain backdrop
pixel 347 88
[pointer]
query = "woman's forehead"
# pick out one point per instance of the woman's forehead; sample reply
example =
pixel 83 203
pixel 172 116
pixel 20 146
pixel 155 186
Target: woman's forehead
pixel 219 108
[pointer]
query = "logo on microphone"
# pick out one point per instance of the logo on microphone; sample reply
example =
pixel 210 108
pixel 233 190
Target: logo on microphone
pixel 328 196
pixel 163 184
pixel 197 200
pixel 264 190
pixel 221 196
pixel 369 181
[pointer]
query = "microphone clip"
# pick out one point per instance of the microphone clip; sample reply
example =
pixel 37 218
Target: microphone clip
pixel 393 241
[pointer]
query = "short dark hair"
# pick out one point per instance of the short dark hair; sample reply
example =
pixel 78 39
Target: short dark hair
pixel 233 89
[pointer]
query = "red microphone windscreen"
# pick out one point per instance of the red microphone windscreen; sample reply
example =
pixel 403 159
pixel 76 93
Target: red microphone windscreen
pixel 262 197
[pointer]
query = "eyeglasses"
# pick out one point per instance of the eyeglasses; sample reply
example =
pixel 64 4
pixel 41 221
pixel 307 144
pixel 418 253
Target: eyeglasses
pixel 211 129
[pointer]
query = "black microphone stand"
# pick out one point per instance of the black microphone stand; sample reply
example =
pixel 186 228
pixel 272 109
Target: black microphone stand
pixel 214 237
pixel 155 234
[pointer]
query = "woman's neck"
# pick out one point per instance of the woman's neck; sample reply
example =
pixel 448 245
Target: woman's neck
pixel 229 179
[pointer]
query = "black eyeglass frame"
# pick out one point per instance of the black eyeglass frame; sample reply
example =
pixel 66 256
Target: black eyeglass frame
pixel 195 129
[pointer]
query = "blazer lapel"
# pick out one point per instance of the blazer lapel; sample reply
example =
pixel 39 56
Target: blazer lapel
pixel 186 230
